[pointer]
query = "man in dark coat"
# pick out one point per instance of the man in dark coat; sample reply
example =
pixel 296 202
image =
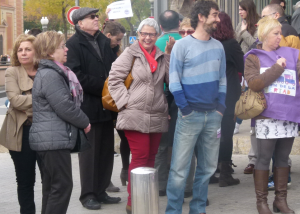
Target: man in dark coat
pixel 90 57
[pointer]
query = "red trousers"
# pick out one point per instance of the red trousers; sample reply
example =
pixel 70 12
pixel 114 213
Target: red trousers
pixel 143 147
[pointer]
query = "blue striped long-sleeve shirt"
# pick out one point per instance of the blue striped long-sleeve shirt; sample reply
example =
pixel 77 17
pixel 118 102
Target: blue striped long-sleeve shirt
pixel 198 75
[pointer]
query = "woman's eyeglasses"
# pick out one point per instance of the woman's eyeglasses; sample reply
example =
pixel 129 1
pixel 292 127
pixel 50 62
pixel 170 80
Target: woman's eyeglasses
pixel 62 46
pixel 92 16
pixel 151 35
pixel 188 32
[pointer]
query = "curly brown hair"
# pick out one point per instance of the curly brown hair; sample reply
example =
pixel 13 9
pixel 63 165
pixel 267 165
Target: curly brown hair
pixel 225 30
pixel 202 7
pixel 21 38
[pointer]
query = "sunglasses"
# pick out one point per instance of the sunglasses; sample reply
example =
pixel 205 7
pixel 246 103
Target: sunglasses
pixel 188 32
pixel 92 16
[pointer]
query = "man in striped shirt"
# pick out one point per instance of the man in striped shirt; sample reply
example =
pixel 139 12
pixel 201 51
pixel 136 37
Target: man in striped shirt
pixel 198 84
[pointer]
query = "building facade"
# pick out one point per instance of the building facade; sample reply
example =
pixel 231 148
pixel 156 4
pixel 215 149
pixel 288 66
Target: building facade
pixel 11 24
pixel 231 7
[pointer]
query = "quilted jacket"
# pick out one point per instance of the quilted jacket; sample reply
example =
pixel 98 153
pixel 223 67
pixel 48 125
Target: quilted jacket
pixel 147 107
pixel 56 118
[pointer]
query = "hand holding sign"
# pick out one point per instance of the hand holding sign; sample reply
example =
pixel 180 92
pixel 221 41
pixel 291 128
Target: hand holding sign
pixel 119 9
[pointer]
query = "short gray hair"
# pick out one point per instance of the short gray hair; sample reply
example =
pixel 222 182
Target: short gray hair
pixel 150 22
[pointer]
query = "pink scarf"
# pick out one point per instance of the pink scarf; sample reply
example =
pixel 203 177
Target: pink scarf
pixel 75 87
pixel 150 58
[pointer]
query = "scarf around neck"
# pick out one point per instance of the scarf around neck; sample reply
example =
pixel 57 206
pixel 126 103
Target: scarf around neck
pixel 150 57
pixel 75 87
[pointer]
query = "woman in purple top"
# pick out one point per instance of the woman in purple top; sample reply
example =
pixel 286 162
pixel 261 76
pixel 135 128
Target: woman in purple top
pixel 274 70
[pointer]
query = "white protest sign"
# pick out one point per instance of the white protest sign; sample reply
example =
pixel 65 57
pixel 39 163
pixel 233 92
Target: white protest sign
pixel 285 84
pixel 120 9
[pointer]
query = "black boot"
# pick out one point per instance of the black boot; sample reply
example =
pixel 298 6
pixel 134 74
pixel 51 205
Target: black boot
pixel 213 179
pixel 226 178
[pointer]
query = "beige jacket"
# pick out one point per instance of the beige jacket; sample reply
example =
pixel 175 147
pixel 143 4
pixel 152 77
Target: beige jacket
pixel 18 90
pixel 147 107
pixel 244 38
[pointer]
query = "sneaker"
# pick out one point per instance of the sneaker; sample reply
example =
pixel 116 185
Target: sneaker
pixel 271 185
pixel 289 181
pixel 271 178
pixel 237 128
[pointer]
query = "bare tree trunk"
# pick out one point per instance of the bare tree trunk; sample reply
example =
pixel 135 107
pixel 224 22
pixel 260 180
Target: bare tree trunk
pixel 182 6
pixel 131 26
pixel 65 22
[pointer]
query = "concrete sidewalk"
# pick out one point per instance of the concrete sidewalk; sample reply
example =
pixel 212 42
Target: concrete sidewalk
pixel 226 200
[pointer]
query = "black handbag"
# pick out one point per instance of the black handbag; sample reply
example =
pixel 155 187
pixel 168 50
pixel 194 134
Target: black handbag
pixel 82 142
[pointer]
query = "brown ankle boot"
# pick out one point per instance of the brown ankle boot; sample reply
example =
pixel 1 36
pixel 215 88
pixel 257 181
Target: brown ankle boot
pixel 261 179
pixel 280 181
pixel 226 178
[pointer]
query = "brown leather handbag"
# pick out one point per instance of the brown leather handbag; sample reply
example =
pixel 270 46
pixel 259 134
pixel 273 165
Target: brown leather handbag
pixel 107 101
pixel 250 104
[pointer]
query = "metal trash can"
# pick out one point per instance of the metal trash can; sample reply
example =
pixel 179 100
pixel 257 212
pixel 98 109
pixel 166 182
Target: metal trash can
pixel 144 190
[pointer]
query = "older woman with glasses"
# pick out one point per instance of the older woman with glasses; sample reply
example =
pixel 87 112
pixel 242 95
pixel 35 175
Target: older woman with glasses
pixel 56 100
pixel 143 107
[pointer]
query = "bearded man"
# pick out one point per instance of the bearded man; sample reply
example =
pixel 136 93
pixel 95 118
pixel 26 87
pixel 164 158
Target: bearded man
pixel 198 84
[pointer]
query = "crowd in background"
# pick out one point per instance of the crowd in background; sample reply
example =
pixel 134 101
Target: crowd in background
pixel 188 73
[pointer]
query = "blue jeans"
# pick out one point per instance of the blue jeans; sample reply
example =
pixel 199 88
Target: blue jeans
pixel 195 132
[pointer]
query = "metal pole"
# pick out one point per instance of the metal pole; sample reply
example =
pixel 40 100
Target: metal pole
pixel 44 28
pixel 144 190
pixel 152 9
pixel 76 2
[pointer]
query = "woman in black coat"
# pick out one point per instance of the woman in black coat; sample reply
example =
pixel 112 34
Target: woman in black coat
pixel 234 64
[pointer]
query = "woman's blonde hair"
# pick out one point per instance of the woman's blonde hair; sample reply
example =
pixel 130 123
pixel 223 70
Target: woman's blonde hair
pixel 265 26
pixel 21 38
pixel 185 22
pixel 46 43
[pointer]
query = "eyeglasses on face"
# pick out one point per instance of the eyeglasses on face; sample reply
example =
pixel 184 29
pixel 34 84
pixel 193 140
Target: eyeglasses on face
pixel 151 35
pixel 62 46
pixel 93 16
pixel 268 15
pixel 188 32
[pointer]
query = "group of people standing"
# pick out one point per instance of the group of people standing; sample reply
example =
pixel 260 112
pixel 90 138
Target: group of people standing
pixel 183 96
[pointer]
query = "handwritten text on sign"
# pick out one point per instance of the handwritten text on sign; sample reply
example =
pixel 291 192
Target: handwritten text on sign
pixel 285 84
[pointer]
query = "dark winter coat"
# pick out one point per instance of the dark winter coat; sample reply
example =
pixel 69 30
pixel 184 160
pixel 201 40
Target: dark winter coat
pixel 91 71
pixel 56 118
pixel 234 64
